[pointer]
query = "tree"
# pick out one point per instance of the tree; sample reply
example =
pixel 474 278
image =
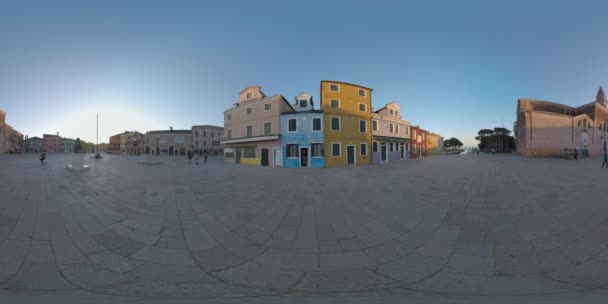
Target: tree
pixel 78 146
pixel 455 142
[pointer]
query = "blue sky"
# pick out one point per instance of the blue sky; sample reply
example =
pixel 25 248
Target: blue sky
pixel 454 66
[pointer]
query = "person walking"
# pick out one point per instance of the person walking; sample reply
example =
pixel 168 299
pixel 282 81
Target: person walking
pixel 196 159
pixel 189 157
pixel 576 153
pixel 492 151
pixel 605 159
pixel 205 156
pixel 42 158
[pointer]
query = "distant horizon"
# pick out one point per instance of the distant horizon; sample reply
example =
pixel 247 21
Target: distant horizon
pixel 454 67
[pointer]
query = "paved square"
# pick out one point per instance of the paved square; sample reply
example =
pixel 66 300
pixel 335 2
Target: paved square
pixel 475 226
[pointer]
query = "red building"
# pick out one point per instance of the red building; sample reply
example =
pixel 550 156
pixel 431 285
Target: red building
pixel 418 137
pixel 52 143
pixel 114 146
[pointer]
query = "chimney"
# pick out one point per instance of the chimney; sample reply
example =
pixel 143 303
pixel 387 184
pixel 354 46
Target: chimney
pixel 171 129
pixel 57 133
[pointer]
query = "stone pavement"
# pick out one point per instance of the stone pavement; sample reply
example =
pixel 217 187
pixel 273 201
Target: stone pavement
pixel 443 229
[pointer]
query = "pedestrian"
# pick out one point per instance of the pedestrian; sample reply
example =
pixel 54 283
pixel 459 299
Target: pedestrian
pixel 196 159
pixel 189 157
pixel 205 157
pixel 492 151
pixel 42 157
pixel 576 153
pixel 605 159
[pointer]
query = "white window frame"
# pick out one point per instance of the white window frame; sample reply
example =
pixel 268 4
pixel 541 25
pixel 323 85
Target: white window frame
pixel 229 134
pixel 376 123
pixel 339 103
pixel 246 133
pixel 339 123
pixel 322 148
pixel 288 131
pixel 377 144
pixel 297 150
pixel 364 92
pixel 359 126
pixel 364 107
pixel 250 108
pixel 313 124
pixel 339 149
pixel 336 84
pixel 268 103
pixel 360 150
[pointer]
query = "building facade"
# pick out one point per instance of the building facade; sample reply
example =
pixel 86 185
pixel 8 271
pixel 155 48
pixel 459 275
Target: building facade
pixel 302 135
pixel 434 142
pixel 102 148
pixel 208 139
pixel 68 145
pixel 252 129
pixel 347 114
pixel 419 142
pixel 33 145
pixel 545 128
pixel 52 143
pixel 114 145
pixel 168 142
pixel 391 135
pixel 11 140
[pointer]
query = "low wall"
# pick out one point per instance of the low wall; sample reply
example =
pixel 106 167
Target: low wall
pixel 251 161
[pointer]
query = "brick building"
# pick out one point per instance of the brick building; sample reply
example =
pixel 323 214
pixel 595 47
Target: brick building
pixel 52 143
pixel 546 128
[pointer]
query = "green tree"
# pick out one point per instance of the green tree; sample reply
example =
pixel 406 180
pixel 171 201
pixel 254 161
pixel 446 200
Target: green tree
pixel 78 146
pixel 455 143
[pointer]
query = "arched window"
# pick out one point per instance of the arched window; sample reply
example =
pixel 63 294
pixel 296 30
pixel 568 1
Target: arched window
pixel 580 123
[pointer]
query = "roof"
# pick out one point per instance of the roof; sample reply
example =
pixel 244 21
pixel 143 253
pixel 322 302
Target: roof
pixel 208 126
pixel 250 87
pixel 267 98
pixel 301 112
pixel 169 131
pixel 347 83
pixel 51 135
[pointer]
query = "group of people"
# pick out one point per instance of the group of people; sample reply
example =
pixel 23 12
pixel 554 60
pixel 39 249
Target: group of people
pixel 196 159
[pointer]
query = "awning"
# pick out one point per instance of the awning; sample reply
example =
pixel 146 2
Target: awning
pixel 250 139
pixel 392 139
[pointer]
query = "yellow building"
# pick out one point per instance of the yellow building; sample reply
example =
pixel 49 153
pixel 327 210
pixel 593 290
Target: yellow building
pixel 348 135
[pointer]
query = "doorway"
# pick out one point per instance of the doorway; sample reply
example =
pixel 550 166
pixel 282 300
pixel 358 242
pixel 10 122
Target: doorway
pixel 264 157
pixel 278 157
pixel 383 152
pixel 171 151
pixel 304 159
pixel 238 155
pixel 350 155
pixel 402 150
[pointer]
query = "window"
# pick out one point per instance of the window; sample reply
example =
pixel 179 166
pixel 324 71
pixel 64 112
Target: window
pixel 334 103
pixel 397 129
pixel 362 126
pixel 267 128
pixel 363 149
pixel 391 111
pixel 335 149
pixel 211 133
pixel 334 87
pixel 229 116
pixel 196 133
pixel 316 124
pixel 317 150
pixel 292 150
pixel 374 125
pixel 407 131
pixel 249 131
pixel 197 143
pixel 407 147
pixel 179 140
pixel 414 146
pixel 249 152
pixel 205 133
pixel 303 103
pixel 396 113
pixel 362 92
pixel 229 134
pixel 292 125
pixel 204 143
pixel 391 128
pixel 362 107
pixel 267 106
pixel 335 123
pixel 375 146
pixel 249 95
pixel 249 111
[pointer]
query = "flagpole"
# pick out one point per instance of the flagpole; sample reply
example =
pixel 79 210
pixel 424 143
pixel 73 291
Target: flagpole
pixel 97 136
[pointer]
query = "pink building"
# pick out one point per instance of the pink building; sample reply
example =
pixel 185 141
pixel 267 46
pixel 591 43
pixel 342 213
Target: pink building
pixel 52 143
pixel 391 134
pixel 252 130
